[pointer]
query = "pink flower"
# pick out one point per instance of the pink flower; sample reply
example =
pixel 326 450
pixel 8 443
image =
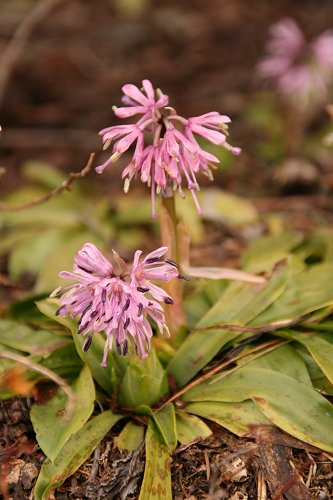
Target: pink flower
pixel 173 154
pixel 108 297
pixel 140 103
pixel 299 70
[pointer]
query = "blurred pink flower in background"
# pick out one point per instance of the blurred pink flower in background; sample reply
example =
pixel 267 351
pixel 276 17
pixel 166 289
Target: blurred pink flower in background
pixel 111 298
pixel 172 153
pixel 299 70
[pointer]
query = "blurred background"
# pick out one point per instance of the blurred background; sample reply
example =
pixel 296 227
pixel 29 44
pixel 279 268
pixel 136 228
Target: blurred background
pixel 74 62
pixel 57 92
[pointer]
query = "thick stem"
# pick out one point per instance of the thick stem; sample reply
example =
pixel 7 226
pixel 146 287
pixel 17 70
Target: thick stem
pixel 169 227
pixel 295 123
pixel 169 234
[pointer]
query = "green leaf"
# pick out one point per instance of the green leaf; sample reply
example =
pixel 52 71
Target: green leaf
pixel 52 429
pixel 49 308
pixel 26 309
pixel 239 304
pixel 190 428
pixel 283 359
pixel 242 302
pixel 188 211
pixel 133 210
pixel 59 211
pixel 130 437
pixel 317 246
pixel 319 381
pixel 319 348
pixel 289 404
pixel 221 206
pixel 265 252
pixel 157 477
pixel 65 361
pixel 62 256
pixel 306 292
pixel 24 338
pixel 165 421
pixel 239 418
pixel 75 452
pixel 43 174
pixel 11 239
pixel 30 255
pixel 144 381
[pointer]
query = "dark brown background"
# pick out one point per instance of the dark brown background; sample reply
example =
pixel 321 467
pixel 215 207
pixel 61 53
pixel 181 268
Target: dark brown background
pixel 70 73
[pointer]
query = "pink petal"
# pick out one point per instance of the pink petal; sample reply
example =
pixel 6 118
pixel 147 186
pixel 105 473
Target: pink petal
pixel 134 93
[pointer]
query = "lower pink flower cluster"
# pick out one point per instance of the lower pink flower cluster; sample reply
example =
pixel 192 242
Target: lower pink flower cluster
pixel 172 153
pixel 108 297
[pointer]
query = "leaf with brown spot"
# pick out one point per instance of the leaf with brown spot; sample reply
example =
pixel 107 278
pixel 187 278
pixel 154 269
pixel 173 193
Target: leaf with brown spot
pixel 74 453
pixel 157 476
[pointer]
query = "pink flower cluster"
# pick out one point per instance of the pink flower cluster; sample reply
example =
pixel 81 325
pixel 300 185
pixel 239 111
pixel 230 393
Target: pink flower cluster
pixel 299 70
pixel 108 297
pixel 172 153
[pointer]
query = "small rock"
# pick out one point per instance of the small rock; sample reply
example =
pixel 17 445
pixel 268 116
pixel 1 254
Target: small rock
pixel 296 175
pixel 239 495
pixel 235 470
pixel 28 473
pixel 14 471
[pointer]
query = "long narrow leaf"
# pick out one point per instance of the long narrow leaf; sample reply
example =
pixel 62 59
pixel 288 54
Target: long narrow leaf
pixel 318 347
pixel 76 451
pixel 239 418
pixel 240 304
pixel 157 477
pixel 291 405
pixel 52 429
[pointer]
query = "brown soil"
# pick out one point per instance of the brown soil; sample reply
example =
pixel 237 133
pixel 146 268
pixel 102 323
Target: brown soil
pixel 268 464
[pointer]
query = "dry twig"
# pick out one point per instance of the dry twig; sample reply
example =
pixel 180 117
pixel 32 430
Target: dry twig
pixel 270 327
pixel 263 349
pixel 66 185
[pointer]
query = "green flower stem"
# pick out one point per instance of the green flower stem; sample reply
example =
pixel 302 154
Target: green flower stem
pixel 295 123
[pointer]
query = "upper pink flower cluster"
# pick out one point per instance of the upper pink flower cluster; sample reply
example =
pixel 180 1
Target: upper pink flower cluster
pixel 173 152
pixel 108 297
pixel 299 70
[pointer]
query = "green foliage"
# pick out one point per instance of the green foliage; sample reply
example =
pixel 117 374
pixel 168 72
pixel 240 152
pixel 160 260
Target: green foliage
pixel 306 292
pixel 105 376
pixel 291 405
pixel 157 477
pixel 263 116
pixel 165 421
pixel 73 454
pixel 46 237
pixel 220 206
pixel 318 346
pixel 131 437
pixel 239 418
pixel 52 427
pixel 39 239
pixel 190 428
pixel 144 382
pixel 284 387
pixel 26 339
pixel 239 304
